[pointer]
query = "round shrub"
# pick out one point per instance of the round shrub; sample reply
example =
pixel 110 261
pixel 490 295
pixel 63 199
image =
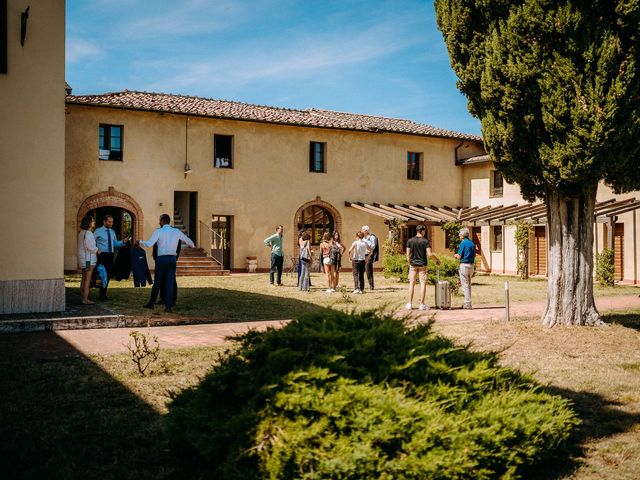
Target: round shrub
pixel 336 395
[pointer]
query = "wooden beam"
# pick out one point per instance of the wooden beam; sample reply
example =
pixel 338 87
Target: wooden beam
pixel 398 213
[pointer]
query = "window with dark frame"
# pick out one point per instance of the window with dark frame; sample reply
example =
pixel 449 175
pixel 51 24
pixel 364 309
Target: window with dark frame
pixel 496 183
pixel 317 157
pixel 110 144
pixel 4 36
pixel 223 151
pixel 413 166
pixel 496 238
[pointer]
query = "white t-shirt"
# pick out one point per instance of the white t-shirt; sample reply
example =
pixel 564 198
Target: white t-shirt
pixel 359 250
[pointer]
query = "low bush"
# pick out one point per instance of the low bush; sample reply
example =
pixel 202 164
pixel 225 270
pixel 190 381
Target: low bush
pixel 605 268
pixel 337 395
pixel 396 266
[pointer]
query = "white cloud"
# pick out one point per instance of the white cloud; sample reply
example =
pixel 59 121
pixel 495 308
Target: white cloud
pixel 296 54
pixel 78 50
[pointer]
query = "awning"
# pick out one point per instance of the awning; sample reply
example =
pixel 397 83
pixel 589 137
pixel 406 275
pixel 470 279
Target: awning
pixel 605 212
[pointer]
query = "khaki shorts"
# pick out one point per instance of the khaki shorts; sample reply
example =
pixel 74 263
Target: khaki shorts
pixel 421 271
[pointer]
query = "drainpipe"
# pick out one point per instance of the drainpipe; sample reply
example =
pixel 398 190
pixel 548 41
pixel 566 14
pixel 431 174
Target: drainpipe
pixel 457 162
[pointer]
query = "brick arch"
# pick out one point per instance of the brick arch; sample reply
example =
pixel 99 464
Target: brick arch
pixel 112 198
pixel 337 219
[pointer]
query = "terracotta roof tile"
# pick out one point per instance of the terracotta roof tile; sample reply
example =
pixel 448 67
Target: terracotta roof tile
pixel 207 107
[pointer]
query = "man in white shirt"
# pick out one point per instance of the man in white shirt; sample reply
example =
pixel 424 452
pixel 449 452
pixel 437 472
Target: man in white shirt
pixel 167 239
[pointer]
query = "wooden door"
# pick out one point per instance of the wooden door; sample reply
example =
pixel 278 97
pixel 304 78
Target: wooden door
pixel 476 237
pixel 618 250
pixel 540 250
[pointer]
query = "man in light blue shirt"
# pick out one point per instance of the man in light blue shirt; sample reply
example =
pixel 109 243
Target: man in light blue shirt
pixel 467 256
pixel 277 255
pixel 167 239
pixel 107 242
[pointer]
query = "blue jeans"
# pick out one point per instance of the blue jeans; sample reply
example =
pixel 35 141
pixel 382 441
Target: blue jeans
pixel 276 265
pixel 165 275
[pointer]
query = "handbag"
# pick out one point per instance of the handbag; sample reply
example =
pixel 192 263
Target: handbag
pixel 305 255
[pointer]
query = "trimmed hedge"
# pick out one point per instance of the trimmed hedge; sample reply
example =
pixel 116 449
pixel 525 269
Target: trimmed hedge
pixel 396 266
pixel 336 395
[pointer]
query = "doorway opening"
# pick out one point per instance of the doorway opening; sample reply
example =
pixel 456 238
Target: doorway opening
pixel 185 213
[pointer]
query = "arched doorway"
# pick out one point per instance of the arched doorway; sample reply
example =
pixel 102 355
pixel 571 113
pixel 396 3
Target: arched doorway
pixel 127 214
pixel 316 217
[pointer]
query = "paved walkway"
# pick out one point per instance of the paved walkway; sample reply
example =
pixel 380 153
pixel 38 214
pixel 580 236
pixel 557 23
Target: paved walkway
pixel 110 340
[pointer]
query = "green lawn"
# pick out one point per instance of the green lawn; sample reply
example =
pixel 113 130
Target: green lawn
pixel 250 297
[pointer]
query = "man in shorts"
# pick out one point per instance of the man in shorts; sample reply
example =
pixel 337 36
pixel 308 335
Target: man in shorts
pixel 418 253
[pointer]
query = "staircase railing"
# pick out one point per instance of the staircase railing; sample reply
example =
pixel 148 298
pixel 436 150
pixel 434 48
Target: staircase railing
pixel 212 243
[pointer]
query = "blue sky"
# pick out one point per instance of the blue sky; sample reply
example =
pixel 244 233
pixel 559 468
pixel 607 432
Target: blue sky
pixel 373 56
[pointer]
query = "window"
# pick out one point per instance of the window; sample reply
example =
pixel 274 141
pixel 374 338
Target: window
pixel 110 147
pixel 496 239
pixel 223 151
pixel 3 36
pixel 414 160
pixel 496 183
pixel 316 157
pixel 315 220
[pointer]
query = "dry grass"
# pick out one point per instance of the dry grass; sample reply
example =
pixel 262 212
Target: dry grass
pixel 598 368
pixel 250 297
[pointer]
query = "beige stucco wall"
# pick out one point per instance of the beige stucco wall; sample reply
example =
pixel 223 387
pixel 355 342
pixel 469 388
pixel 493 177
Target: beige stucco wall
pixel 270 179
pixel 32 145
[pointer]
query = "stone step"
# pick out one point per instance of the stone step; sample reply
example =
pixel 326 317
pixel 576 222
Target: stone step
pixel 200 272
pixel 196 263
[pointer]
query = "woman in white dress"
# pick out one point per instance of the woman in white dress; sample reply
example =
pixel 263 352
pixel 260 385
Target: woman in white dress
pixel 87 256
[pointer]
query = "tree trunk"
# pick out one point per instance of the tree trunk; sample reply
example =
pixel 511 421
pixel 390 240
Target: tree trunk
pixel 570 260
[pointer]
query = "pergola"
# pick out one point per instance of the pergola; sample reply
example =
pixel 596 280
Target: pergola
pixel 606 212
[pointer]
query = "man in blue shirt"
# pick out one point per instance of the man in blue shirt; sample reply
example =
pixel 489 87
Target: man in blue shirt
pixel 107 242
pixel 167 239
pixel 467 256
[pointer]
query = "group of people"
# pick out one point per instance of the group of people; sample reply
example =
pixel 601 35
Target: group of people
pixel 363 253
pixel 418 254
pixel 97 248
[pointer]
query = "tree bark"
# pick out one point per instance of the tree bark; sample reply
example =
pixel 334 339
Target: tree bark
pixel 570 262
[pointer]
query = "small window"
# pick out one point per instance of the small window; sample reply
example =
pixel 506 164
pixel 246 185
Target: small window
pixel 496 183
pixel 414 170
pixel 3 36
pixel 223 151
pixel 496 239
pixel 110 144
pixel 317 157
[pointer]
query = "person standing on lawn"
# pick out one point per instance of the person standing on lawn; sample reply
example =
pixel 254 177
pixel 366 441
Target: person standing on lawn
pixel 277 255
pixel 372 241
pixel 418 254
pixel 467 256
pixel 107 242
pixel 358 253
pixel 167 239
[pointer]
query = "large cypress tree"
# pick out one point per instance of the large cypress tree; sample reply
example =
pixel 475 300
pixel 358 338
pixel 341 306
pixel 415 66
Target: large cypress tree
pixel 556 86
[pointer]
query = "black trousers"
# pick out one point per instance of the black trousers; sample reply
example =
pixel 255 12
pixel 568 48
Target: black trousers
pixel 357 266
pixel 165 275
pixel 106 260
pixel 369 270
pixel 276 266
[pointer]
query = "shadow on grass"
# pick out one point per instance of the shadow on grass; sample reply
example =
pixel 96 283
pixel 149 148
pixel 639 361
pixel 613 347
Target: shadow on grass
pixel 600 418
pixel 629 320
pixel 64 417
pixel 212 304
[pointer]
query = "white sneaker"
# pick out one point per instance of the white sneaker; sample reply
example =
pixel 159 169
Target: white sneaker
pixel 356 291
pixel 408 306
pixel 332 289
pixel 424 307
pixel 328 290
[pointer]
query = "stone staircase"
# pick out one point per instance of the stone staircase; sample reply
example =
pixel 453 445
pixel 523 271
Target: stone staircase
pixel 194 261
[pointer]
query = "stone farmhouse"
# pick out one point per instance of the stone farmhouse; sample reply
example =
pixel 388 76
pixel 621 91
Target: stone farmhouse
pixel 229 172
